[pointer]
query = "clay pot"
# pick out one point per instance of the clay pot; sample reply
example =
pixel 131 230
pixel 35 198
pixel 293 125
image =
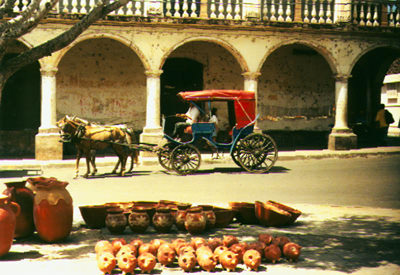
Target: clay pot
pixel 244 212
pixel 272 253
pixel 223 217
pixel 195 222
pixel 207 261
pixel 181 216
pixel 252 259
pixel 9 211
pixel 229 260
pixel 187 261
pixel 94 215
pixel 166 255
pixel 106 262
pixel 116 220
pixel 52 210
pixel 210 216
pixel 275 214
pixel 139 220
pixel 294 213
pixel 163 220
pixel 147 262
pixel 291 251
pixel 19 193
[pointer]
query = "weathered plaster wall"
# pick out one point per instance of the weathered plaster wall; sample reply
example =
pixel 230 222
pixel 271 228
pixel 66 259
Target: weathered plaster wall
pixel 103 81
pixel 296 90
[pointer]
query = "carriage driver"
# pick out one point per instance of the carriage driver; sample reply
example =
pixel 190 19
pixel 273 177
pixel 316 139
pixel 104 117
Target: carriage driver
pixel 191 116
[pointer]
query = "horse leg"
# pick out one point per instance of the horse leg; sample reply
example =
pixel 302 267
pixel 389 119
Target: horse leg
pixel 78 158
pixel 114 171
pixel 88 161
pixel 93 161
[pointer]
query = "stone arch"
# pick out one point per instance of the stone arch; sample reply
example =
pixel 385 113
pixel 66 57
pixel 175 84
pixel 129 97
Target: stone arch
pixel 333 64
pixel 120 39
pixel 230 48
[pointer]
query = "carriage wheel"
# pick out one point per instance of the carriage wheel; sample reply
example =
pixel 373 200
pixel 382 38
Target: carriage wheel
pixel 257 153
pixel 164 156
pixel 185 159
pixel 234 154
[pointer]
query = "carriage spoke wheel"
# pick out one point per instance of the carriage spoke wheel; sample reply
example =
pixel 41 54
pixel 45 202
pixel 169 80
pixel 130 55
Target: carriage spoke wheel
pixel 164 156
pixel 257 153
pixel 234 154
pixel 185 159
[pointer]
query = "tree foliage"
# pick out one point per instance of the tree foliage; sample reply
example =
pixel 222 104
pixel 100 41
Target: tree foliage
pixel 15 25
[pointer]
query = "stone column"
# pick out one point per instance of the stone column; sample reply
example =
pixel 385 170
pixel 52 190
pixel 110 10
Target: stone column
pixel 341 137
pixel 152 132
pixel 251 84
pixel 47 145
pixel 342 11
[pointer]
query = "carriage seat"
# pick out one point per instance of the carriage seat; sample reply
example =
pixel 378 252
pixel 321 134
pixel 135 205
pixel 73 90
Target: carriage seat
pixel 204 129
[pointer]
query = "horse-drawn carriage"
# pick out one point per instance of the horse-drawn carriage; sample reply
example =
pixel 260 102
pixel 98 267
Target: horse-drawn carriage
pixel 254 152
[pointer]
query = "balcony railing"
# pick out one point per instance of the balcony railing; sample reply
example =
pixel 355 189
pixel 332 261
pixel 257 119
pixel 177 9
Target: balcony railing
pixel 358 12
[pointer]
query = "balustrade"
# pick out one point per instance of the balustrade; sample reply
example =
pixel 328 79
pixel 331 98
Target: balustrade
pixel 363 12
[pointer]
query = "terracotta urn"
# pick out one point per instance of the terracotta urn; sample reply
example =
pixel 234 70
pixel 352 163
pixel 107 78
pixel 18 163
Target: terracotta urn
pixel 210 216
pixel 138 220
pixel 195 222
pixel 291 251
pixel 252 259
pixel 52 209
pixel 272 253
pixel 181 216
pixel 228 260
pixel 187 261
pixel 147 262
pixel 19 193
pixel 163 220
pixel 9 211
pixel 116 220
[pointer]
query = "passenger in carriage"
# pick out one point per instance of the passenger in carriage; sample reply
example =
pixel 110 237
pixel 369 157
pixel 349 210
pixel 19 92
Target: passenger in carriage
pixel 214 119
pixel 192 115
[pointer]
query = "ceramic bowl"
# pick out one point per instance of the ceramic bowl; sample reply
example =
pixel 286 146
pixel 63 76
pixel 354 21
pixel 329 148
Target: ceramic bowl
pixel 275 214
pixel 245 212
pixel 94 215
pixel 223 217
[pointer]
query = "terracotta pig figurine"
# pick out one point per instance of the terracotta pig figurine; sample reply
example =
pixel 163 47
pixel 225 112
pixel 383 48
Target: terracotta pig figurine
pixel 229 260
pixel 206 260
pixel 126 262
pixel 187 261
pixel 147 262
pixel 166 255
pixel 273 253
pixel 106 262
pixel 291 251
pixel 252 259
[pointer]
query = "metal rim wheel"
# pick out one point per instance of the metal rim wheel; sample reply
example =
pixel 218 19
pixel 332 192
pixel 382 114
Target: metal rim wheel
pixel 257 153
pixel 185 159
pixel 164 156
pixel 234 154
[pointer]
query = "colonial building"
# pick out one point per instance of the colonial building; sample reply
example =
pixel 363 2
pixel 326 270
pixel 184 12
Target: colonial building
pixel 315 65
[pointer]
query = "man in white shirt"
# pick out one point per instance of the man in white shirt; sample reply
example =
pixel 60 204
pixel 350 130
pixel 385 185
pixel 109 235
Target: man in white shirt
pixel 191 116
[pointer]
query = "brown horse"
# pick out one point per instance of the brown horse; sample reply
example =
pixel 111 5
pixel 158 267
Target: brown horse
pixel 88 139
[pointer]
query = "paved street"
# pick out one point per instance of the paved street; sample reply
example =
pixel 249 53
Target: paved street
pixel 350 220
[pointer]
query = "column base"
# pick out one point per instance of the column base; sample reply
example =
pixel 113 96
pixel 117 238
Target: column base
pixel 153 136
pixel 48 145
pixel 342 139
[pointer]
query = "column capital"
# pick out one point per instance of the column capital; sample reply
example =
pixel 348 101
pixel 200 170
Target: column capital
pixel 155 73
pixel 342 77
pixel 251 75
pixel 48 71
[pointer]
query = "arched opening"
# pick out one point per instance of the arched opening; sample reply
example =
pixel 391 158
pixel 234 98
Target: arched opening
pixel 20 109
pixel 296 95
pixel 365 87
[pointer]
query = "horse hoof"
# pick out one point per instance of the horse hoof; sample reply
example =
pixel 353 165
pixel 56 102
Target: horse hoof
pixel 85 176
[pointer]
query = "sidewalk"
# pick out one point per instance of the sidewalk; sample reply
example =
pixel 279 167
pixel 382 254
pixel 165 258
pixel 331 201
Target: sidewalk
pixel 206 158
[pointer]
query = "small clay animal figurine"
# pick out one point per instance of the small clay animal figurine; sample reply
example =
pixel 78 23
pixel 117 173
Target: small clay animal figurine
pixel 229 260
pixel 186 249
pixel 273 253
pixel 239 249
pixel 106 262
pixel 252 259
pixel 117 244
pixel 177 244
pixel 206 261
pixel 148 247
pixel 291 251
pixel 204 248
pixel 147 262
pixel 157 242
pixel 265 238
pixel 280 241
pixel 228 240
pixel 127 249
pixel 218 251
pixel 102 246
pixel 213 243
pixel 126 262
pixel 259 246
pixel 187 261
pixel 196 242
pixel 166 255
pixel 137 243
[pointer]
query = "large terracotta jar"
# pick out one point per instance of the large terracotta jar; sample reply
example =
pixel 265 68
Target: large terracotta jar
pixel 163 220
pixel 116 220
pixel 52 209
pixel 210 216
pixel 19 193
pixel 9 210
pixel 195 222
pixel 181 216
pixel 139 219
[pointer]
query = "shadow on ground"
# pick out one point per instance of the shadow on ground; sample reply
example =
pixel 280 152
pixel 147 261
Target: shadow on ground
pixel 344 244
pixel 20 173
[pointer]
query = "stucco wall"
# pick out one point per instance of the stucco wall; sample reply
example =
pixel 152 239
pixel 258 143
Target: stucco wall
pixel 103 81
pixel 296 90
